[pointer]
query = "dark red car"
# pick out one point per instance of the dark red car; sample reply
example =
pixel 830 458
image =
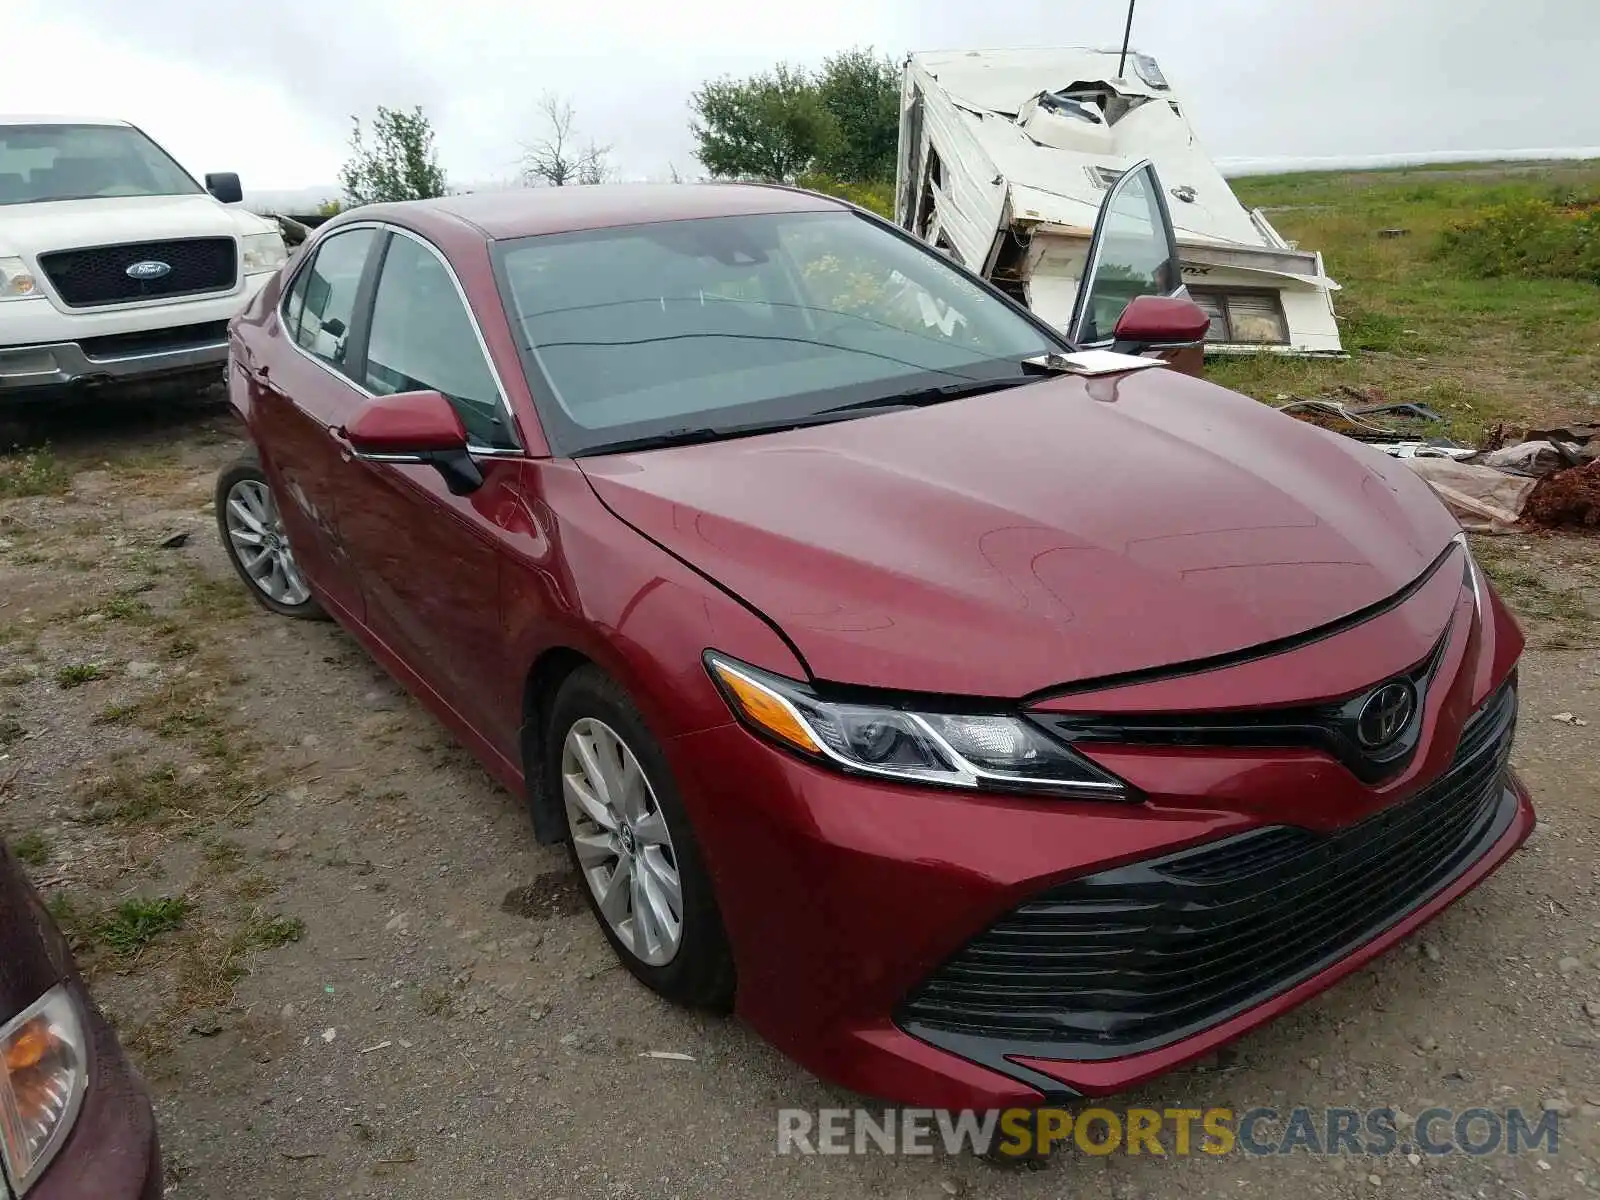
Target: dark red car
pixel 75 1120
pixel 986 725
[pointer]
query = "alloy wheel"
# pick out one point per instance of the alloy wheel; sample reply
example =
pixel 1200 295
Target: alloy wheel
pixel 257 539
pixel 623 846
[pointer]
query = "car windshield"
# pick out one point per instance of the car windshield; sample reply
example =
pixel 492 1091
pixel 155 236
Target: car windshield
pixel 80 162
pixel 724 323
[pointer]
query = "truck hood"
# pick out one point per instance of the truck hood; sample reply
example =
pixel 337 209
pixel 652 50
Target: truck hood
pixel 1053 533
pixel 30 229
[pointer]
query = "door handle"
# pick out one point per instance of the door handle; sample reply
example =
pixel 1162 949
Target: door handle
pixel 263 378
pixel 347 452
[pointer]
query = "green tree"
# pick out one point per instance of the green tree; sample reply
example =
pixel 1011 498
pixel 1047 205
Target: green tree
pixel 400 164
pixel 770 126
pixel 860 91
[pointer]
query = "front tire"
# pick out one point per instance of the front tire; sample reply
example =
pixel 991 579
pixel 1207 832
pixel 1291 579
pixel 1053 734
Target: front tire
pixel 256 543
pixel 631 843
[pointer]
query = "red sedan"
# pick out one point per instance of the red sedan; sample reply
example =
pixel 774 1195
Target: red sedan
pixel 985 722
pixel 75 1117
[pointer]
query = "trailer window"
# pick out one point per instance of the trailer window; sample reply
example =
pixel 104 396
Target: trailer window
pixel 1242 317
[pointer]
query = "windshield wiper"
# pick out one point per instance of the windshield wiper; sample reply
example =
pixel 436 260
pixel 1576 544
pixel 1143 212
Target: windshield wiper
pixel 934 395
pixel 653 441
pixel 691 436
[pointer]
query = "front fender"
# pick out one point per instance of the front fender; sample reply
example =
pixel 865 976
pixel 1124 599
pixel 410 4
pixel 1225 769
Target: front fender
pixel 579 578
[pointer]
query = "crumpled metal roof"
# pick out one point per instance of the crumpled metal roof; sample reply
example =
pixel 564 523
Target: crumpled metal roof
pixel 1003 80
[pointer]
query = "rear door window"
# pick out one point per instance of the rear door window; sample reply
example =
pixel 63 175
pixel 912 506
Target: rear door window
pixel 321 306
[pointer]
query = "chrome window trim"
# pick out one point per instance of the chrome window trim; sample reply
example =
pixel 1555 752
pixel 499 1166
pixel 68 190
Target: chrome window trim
pixel 517 451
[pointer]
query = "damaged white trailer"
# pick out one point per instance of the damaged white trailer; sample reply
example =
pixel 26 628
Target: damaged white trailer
pixel 1005 159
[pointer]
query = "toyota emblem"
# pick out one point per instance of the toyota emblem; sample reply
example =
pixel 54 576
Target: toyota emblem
pixel 1385 715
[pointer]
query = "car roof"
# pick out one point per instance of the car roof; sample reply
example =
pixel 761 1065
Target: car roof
pixel 522 212
pixel 55 119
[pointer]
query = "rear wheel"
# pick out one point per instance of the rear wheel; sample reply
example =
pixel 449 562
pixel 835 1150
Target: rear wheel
pixel 257 544
pixel 632 845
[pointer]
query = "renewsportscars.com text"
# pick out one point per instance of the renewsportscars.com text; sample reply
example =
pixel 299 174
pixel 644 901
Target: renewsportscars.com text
pixel 1023 1132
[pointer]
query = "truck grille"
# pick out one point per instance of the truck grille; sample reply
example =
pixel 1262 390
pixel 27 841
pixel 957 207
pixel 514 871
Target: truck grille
pixel 98 275
pixel 1140 956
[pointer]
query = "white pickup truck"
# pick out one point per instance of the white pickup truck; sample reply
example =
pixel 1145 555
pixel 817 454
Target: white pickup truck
pixel 117 269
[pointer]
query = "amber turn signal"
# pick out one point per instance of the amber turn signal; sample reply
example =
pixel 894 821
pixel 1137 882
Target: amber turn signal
pixel 28 1045
pixel 765 709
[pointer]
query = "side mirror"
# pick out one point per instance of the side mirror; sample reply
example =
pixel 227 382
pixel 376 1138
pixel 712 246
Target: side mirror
pixel 420 428
pixel 224 185
pixel 1152 321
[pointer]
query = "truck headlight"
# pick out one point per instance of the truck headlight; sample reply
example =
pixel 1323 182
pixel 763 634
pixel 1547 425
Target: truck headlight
pixel 262 252
pixel 16 281
pixel 44 1070
pixel 984 751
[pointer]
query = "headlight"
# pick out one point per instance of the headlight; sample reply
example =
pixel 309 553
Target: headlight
pixel 262 252
pixel 43 1073
pixel 16 281
pixel 992 751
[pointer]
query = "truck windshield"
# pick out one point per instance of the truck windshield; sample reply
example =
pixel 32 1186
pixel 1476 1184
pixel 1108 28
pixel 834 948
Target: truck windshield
pixel 722 322
pixel 81 162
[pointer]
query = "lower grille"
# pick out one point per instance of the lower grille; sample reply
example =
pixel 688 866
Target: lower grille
pixel 154 341
pixel 1134 958
pixel 99 274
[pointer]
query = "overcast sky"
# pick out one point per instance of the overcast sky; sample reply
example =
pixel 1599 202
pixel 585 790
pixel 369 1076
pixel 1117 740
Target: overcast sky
pixel 267 88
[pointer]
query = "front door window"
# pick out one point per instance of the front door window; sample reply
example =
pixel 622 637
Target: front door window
pixel 423 339
pixel 1133 254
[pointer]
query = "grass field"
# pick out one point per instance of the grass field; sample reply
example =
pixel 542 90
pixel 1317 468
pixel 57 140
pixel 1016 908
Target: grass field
pixel 1418 327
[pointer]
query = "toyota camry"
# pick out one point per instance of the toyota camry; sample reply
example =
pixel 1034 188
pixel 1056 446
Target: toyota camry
pixel 987 713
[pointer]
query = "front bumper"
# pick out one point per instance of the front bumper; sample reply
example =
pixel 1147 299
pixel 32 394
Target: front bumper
pixel 43 350
pixel 113 1152
pixel 842 897
pixel 65 364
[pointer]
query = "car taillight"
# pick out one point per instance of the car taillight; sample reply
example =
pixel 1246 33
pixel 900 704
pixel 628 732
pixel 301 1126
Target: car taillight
pixel 43 1074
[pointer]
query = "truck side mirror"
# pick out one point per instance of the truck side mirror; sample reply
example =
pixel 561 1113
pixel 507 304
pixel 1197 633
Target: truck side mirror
pixel 224 185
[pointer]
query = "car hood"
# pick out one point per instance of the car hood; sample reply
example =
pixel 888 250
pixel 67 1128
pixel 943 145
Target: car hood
pixel 66 224
pixel 1052 533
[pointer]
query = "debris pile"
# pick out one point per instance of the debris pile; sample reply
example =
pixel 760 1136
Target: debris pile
pixel 1570 497
pixel 1547 477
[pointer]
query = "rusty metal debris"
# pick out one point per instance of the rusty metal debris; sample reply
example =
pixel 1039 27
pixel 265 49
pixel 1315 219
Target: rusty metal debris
pixel 1546 477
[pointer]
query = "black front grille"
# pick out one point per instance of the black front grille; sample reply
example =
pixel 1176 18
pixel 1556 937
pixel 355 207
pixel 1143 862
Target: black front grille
pixel 154 341
pixel 1328 727
pixel 1139 956
pixel 99 274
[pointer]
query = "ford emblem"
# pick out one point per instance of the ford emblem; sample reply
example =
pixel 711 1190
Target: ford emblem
pixel 148 269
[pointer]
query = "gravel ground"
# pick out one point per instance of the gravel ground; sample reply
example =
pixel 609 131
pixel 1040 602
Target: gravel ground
pixel 368 980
